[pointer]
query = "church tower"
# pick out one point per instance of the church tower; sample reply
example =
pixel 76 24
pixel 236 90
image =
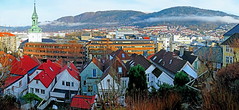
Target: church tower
pixel 35 34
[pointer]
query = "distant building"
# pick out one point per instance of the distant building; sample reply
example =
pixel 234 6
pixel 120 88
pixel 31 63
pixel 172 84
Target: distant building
pixel 35 34
pixel 102 47
pixel 41 48
pixel 72 51
pixel 86 36
pixel 7 42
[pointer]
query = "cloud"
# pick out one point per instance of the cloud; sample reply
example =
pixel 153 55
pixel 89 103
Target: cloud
pixel 224 19
pixel 50 10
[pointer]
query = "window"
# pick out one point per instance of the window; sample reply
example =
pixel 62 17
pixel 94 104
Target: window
pixel 20 83
pixel 31 90
pixel 230 59
pixel 123 55
pixel 72 84
pixel 36 81
pixel 67 83
pixel 228 49
pixel 94 73
pixel 120 70
pixel 90 88
pixel 42 91
pixel 63 82
pixel 84 82
pixel 37 90
pixel 227 59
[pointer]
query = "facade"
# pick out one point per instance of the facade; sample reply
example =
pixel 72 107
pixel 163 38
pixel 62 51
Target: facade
pixel 102 47
pixel 8 42
pixel 109 87
pixel 43 82
pixel 16 84
pixel 170 64
pixel 230 49
pixel 71 51
pixel 210 55
pixel 90 77
pixel 67 83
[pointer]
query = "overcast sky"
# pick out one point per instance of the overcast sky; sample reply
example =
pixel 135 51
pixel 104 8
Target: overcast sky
pixel 18 12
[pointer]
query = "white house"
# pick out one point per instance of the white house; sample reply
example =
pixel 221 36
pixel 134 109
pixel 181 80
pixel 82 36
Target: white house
pixel 67 83
pixel 109 84
pixel 42 84
pixel 16 83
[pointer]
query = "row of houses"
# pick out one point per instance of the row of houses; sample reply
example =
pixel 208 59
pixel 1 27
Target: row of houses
pixel 98 79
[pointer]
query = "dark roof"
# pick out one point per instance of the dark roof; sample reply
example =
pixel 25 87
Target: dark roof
pixel 138 59
pixel 213 54
pixel 232 31
pixel 231 39
pixel 187 55
pixel 168 61
pixel 157 72
pixel 43 40
pixel 119 53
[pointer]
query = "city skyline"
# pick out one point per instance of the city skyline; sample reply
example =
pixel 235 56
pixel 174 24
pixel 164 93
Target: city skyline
pixel 54 9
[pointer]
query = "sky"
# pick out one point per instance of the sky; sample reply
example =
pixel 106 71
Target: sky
pixel 19 12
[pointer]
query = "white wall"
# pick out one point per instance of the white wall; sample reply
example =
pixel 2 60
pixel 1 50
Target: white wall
pixel 66 77
pixel 40 86
pixel 35 37
pixel 16 89
pixel 164 78
pixel 189 70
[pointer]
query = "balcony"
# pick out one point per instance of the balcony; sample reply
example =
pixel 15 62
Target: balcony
pixel 57 94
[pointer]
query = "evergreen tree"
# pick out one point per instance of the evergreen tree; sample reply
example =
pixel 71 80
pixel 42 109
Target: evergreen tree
pixel 137 80
pixel 181 79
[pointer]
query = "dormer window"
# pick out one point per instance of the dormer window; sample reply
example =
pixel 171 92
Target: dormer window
pixel 51 69
pixel 123 55
pixel 154 57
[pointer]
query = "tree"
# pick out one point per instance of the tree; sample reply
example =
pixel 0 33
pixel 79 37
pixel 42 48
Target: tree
pixel 137 80
pixel 29 97
pixel 181 79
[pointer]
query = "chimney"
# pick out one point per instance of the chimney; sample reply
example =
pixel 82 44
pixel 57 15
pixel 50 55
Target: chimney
pixel 181 50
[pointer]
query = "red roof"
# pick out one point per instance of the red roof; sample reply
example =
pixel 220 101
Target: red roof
pixel 150 56
pixel 83 102
pixel 50 70
pixel 10 80
pixel 73 71
pixel 6 34
pixel 22 65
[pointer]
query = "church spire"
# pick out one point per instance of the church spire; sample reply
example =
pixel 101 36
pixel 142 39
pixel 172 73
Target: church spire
pixel 35 28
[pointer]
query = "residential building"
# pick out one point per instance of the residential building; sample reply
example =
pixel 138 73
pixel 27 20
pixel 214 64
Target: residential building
pixel 170 64
pixel 212 56
pixel 8 42
pixel 152 73
pixel 17 83
pixel 101 47
pixel 44 81
pixel 230 49
pixel 67 83
pixel 90 77
pixel 109 85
